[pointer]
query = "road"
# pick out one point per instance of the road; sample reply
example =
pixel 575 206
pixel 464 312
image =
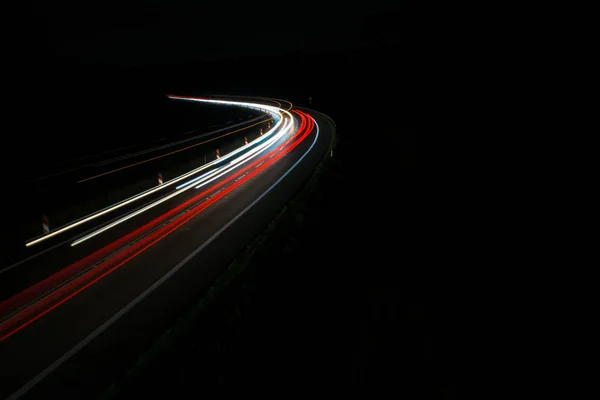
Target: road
pixel 64 190
pixel 117 289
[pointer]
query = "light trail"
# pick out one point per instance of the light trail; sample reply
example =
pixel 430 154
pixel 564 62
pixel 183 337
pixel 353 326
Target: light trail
pixel 178 217
pixel 268 141
pixel 273 111
pixel 186 186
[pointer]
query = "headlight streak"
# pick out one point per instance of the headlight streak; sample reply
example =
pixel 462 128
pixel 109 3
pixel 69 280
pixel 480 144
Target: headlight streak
pixel 268 140
pixel 252 152
pixel 272 111
pixel 119 204
pixel 41 289
pixel 283 132
pixel 108 264
pixel 138 212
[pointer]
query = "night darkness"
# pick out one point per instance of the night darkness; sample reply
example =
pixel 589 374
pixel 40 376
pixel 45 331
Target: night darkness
pixel 355 308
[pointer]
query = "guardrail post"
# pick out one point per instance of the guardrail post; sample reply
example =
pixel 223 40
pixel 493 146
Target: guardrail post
pixel 45 225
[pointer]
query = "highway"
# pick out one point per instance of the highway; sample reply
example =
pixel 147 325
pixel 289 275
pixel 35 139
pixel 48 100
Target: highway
pixel 64 190
pixel 98 291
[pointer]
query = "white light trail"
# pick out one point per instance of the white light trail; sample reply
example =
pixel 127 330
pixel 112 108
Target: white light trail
pixel 273 136
pixel 267 143
pixel 273 111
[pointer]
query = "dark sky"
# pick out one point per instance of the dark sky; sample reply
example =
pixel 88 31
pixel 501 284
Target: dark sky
pixel 48 45
pixel 126 33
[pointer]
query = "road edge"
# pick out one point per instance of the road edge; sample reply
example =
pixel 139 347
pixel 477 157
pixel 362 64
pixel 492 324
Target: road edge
pixel 230 279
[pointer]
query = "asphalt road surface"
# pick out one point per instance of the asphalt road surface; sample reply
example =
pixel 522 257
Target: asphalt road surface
pixel 69 333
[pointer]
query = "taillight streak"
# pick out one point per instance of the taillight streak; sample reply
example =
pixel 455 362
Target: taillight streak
pixel 58 297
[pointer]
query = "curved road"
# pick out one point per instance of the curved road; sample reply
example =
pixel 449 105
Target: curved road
pixel 70 334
